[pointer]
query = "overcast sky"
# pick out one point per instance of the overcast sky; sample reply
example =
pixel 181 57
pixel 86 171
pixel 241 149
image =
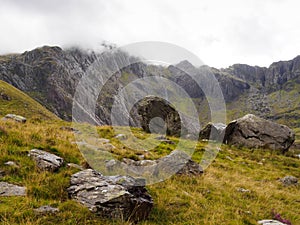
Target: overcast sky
pixel 219 32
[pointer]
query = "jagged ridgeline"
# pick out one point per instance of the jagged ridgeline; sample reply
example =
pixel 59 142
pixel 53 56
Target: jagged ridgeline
pixel 50 75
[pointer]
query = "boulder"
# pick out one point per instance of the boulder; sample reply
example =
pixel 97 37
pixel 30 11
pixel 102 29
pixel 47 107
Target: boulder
pixel 45 160
pixel 254 132
pixel 121 197
pixel 213 132
pixel 153 107
pixel 16 118
pixel 7 189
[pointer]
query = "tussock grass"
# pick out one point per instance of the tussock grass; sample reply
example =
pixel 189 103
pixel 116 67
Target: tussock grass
pixel 209 199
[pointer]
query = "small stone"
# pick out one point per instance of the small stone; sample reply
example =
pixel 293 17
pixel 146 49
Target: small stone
pixel 76 166
pixel 121 136
pixel 289 180
pixel 11 163
pixel 243 190
pixel 270 222
pixel 7 189
pixel 46 209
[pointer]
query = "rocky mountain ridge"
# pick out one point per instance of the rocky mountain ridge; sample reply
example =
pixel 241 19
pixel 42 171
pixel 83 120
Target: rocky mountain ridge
pixel 50 75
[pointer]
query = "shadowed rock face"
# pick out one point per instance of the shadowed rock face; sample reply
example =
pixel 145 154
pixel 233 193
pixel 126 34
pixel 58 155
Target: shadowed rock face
pixel 254 132
pixel 152 107
pixel 213 132
pixel 121 197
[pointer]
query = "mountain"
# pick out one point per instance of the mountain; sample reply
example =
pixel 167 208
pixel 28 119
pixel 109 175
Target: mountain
pixel 50 75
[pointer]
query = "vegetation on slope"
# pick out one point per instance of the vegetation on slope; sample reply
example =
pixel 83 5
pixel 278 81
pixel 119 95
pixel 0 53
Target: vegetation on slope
pixel 17 102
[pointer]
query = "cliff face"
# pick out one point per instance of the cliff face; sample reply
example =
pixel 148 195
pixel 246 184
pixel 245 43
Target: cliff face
pixel 50 75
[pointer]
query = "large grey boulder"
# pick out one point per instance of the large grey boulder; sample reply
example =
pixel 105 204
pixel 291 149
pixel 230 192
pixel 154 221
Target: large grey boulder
pixel 45 160
pixel 121 197
pixel 7 189
pixel 213 132
pixel 254 132
pixel 154 107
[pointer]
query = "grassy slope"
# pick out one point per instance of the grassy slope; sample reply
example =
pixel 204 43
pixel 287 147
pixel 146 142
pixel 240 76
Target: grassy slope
pixel 210 199
pixel 22 104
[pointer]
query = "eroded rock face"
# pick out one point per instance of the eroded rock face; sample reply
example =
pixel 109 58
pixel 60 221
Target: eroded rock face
pixel 7 189
pixel 254 132
pixel 46 160
pixel 121 197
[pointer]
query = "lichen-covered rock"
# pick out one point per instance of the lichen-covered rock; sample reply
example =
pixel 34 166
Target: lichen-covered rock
pixel 254 132
pixel 121 197
pixel 7 189
pixel 45 160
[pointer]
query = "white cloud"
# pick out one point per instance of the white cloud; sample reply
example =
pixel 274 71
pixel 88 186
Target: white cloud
pixel 219 32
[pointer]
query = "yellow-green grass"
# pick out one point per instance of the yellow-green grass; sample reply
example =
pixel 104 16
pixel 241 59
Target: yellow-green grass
pixel 21 104
pixel 212 198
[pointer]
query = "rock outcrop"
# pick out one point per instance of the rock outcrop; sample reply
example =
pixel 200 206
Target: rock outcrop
pixel 254 132
pixel 121 197
pixel 45 160
pixel 177 162
pixel 7 189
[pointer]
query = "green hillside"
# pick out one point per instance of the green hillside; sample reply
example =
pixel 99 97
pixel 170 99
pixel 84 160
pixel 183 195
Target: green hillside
pixel 15 101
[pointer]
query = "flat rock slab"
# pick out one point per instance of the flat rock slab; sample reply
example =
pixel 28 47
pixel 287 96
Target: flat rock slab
pixel 121 197
pixel 45 160
pixel 7 189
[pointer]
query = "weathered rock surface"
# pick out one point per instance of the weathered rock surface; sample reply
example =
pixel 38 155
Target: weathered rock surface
pixel 289 181
pixel 254 132
pixel 213 132
pixel 45 160
pixel 15 117
pixel 120 197
pixel 7 189
pixel 46 209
